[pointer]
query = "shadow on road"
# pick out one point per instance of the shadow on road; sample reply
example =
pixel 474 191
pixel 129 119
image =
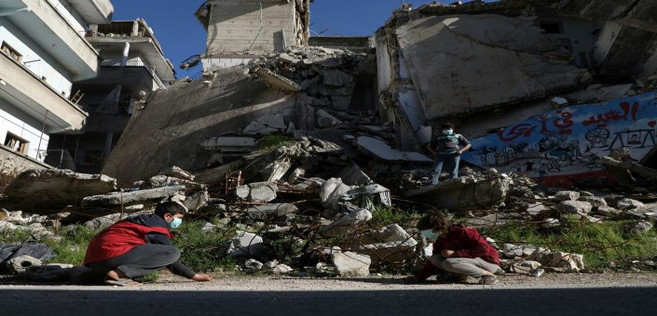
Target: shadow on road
pixel 581 301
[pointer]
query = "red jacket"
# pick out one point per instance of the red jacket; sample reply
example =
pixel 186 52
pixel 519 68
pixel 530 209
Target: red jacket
pixel 466 243
pixel 118 239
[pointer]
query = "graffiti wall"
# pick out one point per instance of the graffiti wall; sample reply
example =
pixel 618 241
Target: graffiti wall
pixel 560 146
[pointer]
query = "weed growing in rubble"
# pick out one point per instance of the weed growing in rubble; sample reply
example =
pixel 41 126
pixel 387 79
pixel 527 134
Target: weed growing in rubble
pixel 70 249
pixel 73 246
pixel 8 236
pixel 611 241
pixel 204 251
pixel 273 141
pixel 385 215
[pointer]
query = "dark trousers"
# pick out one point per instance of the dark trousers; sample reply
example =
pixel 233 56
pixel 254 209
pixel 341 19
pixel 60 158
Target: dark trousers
pixel 139 261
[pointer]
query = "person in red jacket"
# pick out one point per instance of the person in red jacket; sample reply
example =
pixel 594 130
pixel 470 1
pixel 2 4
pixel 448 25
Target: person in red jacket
pixel 457 249
pixel 139 245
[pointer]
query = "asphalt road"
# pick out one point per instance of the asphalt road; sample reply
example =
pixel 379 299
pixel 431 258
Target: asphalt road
pixel 94 301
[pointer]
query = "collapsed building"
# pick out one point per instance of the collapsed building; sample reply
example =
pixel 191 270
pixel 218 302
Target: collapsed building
pixel 543 88
pixel 518 71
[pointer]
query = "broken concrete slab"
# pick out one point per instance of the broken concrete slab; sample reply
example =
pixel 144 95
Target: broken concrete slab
pixel 259 192
pixel 173 122
pixel 368 196
pixel 51 190
pixel 567 196
pixel 346 224
pixel 331 191
pixel 325 120
pixel 100 223
pixel 267 167
pixel 464 193
pixel 353 175
pixel 230 144
pixel 628 204
pixel 595 201
pixel 575 207
pixel 276 80
pixel 262 212
pixel 179 173
pixel 266 125
pixel 351 264
pixel 390 244
pixel 454 42
pixel 282 269
pixel 115 199
pixel 380 150
pixel 616 166
pixel 246 245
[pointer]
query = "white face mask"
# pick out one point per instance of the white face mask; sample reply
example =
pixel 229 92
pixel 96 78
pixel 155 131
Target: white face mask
pixel 429 234
pixel 448 131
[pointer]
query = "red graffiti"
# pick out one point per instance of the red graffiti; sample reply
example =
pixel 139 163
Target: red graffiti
pixel 516 131
pixel 614 115
pixel 564 123
pixel 543 119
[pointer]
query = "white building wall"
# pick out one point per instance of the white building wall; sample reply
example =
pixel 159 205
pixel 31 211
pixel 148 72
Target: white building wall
pixel 383 64
pixel 23 126
pixel 70 16
pixel 35 58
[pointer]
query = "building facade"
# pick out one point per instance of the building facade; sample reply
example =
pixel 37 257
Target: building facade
pixel 132 65
pixel 43 51
pixel 240 30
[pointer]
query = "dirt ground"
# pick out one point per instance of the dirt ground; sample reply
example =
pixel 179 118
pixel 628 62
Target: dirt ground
pixel 169 282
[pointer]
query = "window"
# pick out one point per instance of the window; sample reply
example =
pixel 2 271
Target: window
pixel 16 143
pixel 11 52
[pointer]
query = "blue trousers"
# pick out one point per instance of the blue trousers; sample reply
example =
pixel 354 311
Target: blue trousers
pixel 451 164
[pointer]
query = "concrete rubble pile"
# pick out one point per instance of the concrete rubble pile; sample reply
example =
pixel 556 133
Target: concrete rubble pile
pixel 295 152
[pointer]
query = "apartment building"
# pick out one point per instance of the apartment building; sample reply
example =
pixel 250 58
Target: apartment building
pixel 132 65
pixel 43 51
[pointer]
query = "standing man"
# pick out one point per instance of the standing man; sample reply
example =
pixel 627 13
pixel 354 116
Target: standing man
pixel 139 245
pixel 447 148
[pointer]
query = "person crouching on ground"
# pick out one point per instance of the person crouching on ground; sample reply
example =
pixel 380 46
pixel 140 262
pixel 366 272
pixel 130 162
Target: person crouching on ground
pixel 139 245
pixel 447 148
pixel 457 249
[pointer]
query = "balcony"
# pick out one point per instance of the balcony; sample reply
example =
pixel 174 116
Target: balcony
pixel 30 94
pixel 50 29
pixel 94 11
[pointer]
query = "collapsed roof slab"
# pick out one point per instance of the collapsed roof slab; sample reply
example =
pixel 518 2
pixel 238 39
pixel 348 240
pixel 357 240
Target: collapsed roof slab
pixel 174 122
pixel 49 191
pixel 641 14
pixel 514 60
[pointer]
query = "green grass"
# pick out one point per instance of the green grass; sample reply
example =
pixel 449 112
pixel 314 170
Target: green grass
pixel 203 251
pixel 73 246
pixel 273 141
pixel 385 215
pixel 70 249
pixel 599 243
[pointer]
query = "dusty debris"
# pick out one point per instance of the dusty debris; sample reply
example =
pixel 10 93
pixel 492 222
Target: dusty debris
pixel 351 264
pixel 464 193
pixel 347 223
pixel 50 191
pixel 118 199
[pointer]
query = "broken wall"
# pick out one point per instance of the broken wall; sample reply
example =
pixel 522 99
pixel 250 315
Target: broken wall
pixel 445 66
pixel 565 145
pixel 173 124
pixel 256 26
pixel 479 61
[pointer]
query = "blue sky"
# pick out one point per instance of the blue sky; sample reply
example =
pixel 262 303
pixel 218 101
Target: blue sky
pixel 181 35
